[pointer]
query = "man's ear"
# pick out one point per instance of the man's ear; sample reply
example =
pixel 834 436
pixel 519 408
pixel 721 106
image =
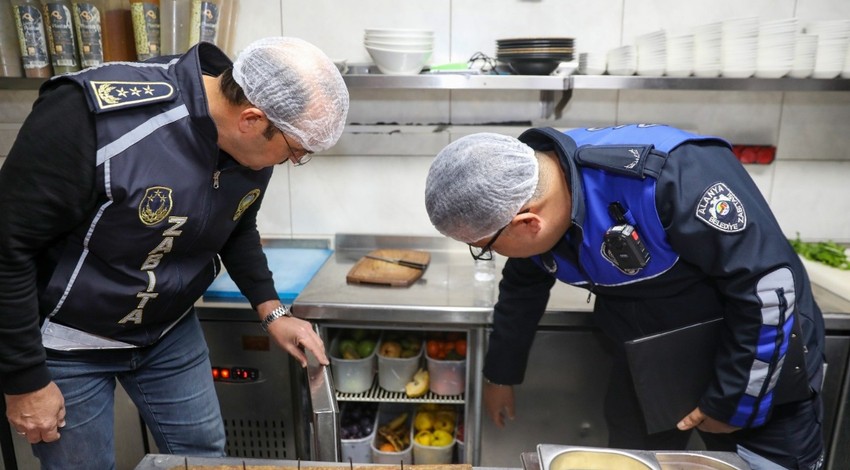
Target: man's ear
pixel 252 120
pixel 527 223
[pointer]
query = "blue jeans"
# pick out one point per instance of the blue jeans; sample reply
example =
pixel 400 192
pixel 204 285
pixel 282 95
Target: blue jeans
pixel 170 383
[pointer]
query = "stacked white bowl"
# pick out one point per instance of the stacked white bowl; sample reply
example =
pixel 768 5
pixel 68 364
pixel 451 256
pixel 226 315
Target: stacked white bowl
pixel 592 62
pixel 833 37
pixel 775 55
pixel 805 50
pixel 738 47
pixel 707 39
pixel 652 53
pixel 398 51
pixel 622 60
pixel 680 55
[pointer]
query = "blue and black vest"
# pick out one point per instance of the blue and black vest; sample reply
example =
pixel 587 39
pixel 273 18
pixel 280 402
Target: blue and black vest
pixel 170 200
pixel 611 165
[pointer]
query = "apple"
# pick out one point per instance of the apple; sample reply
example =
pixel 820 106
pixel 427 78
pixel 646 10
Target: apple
pixel 424 438
pixel 419 385
pixel 441 438
pixel 365 347
pixel 390 349
pixel 423 421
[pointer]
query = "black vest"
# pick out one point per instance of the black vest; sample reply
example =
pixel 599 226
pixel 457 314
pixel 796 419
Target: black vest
pixel 170 197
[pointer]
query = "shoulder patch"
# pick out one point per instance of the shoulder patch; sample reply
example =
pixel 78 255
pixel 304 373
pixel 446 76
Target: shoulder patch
pixel 721 209
pixel 109 95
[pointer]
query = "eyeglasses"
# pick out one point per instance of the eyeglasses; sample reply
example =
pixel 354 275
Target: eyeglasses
pixel 485 253
pixel 305 156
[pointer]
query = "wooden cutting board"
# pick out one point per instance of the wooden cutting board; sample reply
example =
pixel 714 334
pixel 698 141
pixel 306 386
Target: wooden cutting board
pixel 373 271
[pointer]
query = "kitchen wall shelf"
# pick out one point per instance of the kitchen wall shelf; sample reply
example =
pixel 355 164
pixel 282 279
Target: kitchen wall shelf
pixel 550 83
pixel 549 86
pixel 588 82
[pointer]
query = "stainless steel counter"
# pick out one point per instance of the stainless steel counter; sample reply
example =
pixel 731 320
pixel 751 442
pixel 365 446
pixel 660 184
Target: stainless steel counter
pixel 445 294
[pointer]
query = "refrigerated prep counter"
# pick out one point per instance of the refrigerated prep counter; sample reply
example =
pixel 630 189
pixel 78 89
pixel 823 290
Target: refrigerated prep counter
pixel 563 407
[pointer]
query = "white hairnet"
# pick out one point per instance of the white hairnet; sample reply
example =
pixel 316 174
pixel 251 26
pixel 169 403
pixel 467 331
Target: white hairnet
pixel 297 86
pixel 478 183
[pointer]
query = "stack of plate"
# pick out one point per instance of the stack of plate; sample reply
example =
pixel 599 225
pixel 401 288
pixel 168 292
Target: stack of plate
pixel 775 52
pixel 651 53
pixel 534 56
pixel 399 51
pixel 805 50
pixel 622 60
pixel 833 38
pixel 707 39
pixel 680 55
pixel 738 47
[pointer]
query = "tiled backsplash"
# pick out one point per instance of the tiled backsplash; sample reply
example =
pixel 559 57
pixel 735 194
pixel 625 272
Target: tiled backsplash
pixel 373 180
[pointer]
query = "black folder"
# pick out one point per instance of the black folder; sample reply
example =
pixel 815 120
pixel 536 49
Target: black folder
pixel 671 371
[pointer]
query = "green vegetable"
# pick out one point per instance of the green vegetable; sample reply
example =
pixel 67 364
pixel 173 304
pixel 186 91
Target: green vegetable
pixel 829 253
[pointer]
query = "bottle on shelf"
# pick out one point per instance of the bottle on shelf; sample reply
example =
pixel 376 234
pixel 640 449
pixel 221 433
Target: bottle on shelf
pixel 88 26
pixel 10 51
pixel 206 16
pixel 224 38
pixel 175 18
pixel 117 29
pixel 32 38
pixel 61 35
pixel 146 28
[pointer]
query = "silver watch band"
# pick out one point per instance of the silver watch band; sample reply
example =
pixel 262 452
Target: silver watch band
pixel 281 311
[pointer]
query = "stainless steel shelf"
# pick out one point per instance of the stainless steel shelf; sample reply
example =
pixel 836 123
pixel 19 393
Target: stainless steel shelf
pixel 589 82
pixel 376 393
pixel 548 83
pixel 458 82
pixel 614 82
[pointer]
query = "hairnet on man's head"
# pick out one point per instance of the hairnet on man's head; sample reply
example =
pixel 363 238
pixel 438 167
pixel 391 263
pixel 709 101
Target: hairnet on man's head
pixel 298 88
pixel 478 183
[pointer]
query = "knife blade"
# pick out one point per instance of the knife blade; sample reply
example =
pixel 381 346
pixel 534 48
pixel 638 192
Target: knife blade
pixel 400 262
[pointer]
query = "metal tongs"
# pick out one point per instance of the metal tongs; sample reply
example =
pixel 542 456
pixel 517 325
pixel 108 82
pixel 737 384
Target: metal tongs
pixel 400 262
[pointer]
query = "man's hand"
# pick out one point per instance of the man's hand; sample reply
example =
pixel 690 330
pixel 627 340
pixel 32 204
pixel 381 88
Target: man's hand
pixel 295 335
pixel 37 415
pixel 703 422
pixel 499 402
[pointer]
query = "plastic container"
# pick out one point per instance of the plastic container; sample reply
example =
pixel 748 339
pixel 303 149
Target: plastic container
pixel 447 377
pixel 61 35
pixel 430 455
pixel 32 38
pixel 89 31
pixel 174 19
pixel 395 372
pixel 10 52
pixel 352 375
pixel 386 413
pixel 145 15
pixel 358 450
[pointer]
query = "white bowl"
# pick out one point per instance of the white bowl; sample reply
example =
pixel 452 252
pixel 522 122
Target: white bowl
pixel 412 46
pixel 399 32
pixel 399 62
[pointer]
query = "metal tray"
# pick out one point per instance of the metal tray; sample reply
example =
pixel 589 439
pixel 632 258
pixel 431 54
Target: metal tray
pixel 560 457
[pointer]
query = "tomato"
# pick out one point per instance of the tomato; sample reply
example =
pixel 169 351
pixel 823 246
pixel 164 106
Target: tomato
pixel 433 348
pixel 460 347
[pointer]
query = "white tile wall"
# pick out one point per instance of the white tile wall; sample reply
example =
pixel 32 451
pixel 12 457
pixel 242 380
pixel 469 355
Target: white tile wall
pixel 373 179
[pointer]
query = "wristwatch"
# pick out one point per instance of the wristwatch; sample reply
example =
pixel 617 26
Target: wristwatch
pixel 281 311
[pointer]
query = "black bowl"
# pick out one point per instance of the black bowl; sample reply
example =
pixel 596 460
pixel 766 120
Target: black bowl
pixel 524 66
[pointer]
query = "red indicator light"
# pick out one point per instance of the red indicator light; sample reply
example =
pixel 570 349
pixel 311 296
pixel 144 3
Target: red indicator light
pixel 225 373
pixel 216 372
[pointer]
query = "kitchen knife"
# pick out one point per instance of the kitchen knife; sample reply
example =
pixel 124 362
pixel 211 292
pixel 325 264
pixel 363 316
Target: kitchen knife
pixel 400 262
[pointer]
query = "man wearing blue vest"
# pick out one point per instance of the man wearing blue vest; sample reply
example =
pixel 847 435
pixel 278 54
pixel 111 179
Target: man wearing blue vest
pixel 128 187
pixel 667 230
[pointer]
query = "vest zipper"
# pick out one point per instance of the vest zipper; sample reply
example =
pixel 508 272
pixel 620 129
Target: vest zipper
pixel 216 175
